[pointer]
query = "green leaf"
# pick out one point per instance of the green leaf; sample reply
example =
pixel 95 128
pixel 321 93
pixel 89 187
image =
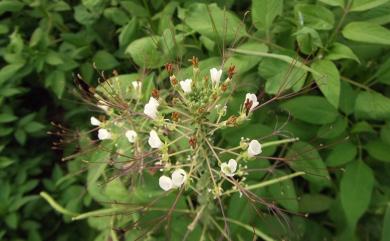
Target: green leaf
pixel 333 130
pixel 308 40
pixel 304 157
pixel 10 6
pixel 335 3
pixel 8 71
pixel 386 225
pixel 385 133
pixel 362 5
pixel 56 80
pixel 53 58
pixel 281 76
pixel 244 63
pixel 33 126
pixel 340 51
pixel 314 203
pixel 20 136
pixel 314 16
pixel 104 60
pixel 341 154
pixel 145 52
pixel 5 161
pixel 378 150
pixel 264 12
pixel 372 105
pixel 367 32
pixel 284 192
pixel 116 15
pixel 128 33
pixel 347 102
pixel 312 109
pixel 215 23
pixel 355 191
pixel 7 117
pixel 328 80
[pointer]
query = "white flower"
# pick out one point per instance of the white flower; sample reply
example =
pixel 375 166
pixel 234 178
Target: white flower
pixel 253 98
pixel 104 134
pixel 215 76
pixel 154 141
pixel 151 108
pixel 254 148
pixel 229 168
pixel 102 105
pixel 95 121
pixel 186 85
pixel 179 176
pixel 137 85
pixel 131 135
pixel 165 183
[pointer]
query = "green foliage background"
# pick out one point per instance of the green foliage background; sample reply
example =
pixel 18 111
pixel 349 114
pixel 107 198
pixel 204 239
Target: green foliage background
pixel 343 44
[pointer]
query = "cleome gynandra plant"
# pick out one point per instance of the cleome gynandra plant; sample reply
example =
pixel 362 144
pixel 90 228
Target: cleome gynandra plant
pixel 163 144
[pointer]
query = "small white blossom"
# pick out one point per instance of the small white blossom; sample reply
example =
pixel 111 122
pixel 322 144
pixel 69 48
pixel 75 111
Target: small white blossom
pixel 253 98
pixel 95 121
pixel 137 85
pixel 186 85
pixel 154 141
pixel 151 108
pixel 229 168
pixel 165 183
pixel 254 148
pixel 215 76
pixel 102 105
pixel 179 176
pixel 131 135
pixel 104 134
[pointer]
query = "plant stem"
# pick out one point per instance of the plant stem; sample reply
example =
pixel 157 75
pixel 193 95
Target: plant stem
pixel 274 143
pixel 267 183
pixel 251 229
pixel 56 205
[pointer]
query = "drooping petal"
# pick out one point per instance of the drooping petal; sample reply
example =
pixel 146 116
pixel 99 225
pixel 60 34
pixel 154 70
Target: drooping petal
pixel 165 183
pixel 131 135
pixel 254 148
pixel 253 98
pixel 95 121
pixel 150 108
pixel 104 134
pixel 179 176
pixel 215 76
pixel 186 85
pixel 154 141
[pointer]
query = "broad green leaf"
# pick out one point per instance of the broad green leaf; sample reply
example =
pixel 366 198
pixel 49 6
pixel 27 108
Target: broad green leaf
pixel 314 203
pixel 362 127
pixel 128 33
pixel 328 80
pixel 56 80
pixel 378 150
pixel 336 3
pixel 314 16
pixel 264 12
pixel 8 71
pixel 367 32
pixel 341 153
pixel 7 117
pixel 10 6
pixel 284 192
pixel 386 225
pixel 304 157
pixel 348 94
pixel 355 191
pixel 312 109
pixel 383 72
pixel 372 105
pixel 243 63
pixel 281 76
pixel 116 15
pixel 333 130
pixel 104 60
pixel 385 133
pixel 362 5
pixel 215 23
pixel 340 51
pixel 146 52
pixel 308 40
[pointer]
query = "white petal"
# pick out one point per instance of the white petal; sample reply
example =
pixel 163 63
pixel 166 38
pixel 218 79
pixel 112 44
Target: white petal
pixel 232 165
pixel 165 183
pixel 186 85
pixel 95 121
pixel 254 148
pixel 150 108
pixel 215 75
pixel 137 85
pixel 226 169
pixel 104 134
pixel 154 141
pixel 253 98
pixel 179 176
pixel 131 135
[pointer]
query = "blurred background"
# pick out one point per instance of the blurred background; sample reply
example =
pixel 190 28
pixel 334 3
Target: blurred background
pixel 42 43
